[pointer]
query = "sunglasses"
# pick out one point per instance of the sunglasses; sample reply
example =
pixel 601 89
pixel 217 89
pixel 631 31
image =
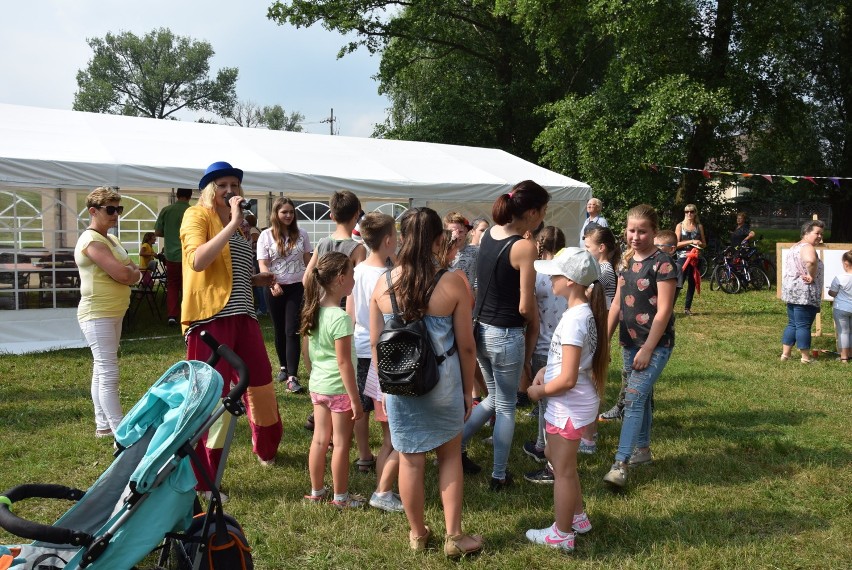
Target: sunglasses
pixel 664 245
pixel 112 210
pixel 689 211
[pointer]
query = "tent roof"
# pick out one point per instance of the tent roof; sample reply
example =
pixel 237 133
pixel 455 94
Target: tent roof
pixel 50 148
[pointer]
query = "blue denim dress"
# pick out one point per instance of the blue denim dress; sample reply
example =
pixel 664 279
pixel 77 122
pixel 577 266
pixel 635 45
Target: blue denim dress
pixel 422 423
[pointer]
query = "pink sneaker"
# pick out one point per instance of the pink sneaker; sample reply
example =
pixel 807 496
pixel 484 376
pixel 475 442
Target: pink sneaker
pixel 581 523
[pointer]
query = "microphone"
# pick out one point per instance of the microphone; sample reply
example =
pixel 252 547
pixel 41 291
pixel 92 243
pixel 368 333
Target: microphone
pixel 244 205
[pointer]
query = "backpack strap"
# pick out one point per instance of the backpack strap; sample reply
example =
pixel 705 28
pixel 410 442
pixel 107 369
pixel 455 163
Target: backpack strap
pixel 394 306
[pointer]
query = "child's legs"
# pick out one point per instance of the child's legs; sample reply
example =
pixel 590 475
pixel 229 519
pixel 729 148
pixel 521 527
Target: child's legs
pixel 362 426
pixel 342 425
pixel 567 497
pixel 319 445
pixel 640 385
pixel 843 328
pixel 411 473
pixel 451 483
pixel 387 462
pixel 538 362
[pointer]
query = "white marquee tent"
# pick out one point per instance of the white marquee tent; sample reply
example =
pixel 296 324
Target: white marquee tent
pixel 57 149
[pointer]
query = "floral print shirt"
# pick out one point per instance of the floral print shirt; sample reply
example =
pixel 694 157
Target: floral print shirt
pixel 638 283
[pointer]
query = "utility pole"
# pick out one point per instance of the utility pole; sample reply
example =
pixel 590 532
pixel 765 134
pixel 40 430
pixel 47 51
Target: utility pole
pixel 330 122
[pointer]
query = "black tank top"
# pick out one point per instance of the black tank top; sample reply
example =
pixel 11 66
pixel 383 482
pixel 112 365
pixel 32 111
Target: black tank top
pixel 500 302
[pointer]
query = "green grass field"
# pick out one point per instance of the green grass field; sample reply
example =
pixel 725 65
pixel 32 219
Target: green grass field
pixel 753 460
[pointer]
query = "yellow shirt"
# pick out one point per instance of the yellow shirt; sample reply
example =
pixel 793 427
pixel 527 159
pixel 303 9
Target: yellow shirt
pixel 101 296
pixel 206 292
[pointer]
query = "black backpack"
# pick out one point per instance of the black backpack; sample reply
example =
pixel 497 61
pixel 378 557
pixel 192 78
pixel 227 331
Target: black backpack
pixel 407 364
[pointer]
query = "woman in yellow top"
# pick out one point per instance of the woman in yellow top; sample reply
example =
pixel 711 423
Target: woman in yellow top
pixel 218 275
pixel 106 274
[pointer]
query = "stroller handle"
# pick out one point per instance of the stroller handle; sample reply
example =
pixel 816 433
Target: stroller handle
pixel 36 531
pixel 232 400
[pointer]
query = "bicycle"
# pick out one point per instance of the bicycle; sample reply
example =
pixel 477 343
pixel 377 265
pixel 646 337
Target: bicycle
pixel 756 258
pixel 750 276
pixel 724 276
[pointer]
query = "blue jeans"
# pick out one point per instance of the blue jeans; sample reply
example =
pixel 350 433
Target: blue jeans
pixel 501 357
pixel 636 427
pixel 798 330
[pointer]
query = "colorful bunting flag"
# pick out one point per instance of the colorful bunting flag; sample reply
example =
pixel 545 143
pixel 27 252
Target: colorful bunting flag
pixel 707 173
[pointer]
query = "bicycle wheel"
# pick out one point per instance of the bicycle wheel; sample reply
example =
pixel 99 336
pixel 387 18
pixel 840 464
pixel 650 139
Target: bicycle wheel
pixel 768 268
pixel 703 266
pixel 758 278
pixel 714 278
pixel 729 282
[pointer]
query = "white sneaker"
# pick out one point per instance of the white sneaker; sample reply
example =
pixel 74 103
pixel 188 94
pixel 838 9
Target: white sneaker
pixel 389 502
pixel 551 537
pixel 617 475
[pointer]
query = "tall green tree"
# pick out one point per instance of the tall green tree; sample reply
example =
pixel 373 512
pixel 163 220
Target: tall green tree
pixel 275 118
pixel 154 76
pixel 456 71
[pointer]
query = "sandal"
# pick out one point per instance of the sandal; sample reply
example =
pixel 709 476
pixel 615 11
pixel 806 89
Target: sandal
pixel 454 549
pixel 366 465
pixel 101 433
pixel 807 361
pixel 785 357
pixel 420 542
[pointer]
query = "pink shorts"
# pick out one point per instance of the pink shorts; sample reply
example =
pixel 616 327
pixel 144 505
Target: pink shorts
pixel 569 432
pixel 338 404
pixel 379 411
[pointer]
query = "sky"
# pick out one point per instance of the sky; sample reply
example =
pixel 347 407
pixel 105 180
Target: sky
pixel 43 45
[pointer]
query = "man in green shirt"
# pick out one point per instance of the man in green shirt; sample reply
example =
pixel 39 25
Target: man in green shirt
pixel 168 227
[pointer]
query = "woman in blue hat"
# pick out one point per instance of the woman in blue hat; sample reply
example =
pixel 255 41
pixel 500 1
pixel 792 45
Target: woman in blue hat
pixel 217 297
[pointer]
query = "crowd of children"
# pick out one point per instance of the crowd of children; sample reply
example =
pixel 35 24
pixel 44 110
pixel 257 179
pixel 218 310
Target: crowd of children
pixel 542 315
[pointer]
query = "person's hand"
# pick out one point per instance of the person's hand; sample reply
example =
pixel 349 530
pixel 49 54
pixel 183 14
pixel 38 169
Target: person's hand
pixel 536 392
pixel 357 410
pixel 807 278
pixel 263 279
pixel 276 290
pixel 468 406
pixel 642 359
pixel 236 211
pixel 539 377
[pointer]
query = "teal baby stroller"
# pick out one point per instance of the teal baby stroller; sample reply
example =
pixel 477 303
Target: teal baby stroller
pixel 147 495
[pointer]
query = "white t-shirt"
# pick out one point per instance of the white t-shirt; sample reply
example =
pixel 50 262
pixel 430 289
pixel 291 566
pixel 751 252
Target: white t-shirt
pixel 551 307
pixel 842 285
pixel 290 268
pixel 580 403
pixel 366 277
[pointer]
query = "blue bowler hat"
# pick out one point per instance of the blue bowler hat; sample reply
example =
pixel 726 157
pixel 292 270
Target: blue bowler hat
pixel 219 170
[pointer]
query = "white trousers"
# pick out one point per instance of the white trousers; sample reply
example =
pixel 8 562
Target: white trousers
pixel 103 336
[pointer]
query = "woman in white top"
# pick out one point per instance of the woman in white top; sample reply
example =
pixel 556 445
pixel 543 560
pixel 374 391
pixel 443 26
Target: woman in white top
pixel 106 274
pixel 284 249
